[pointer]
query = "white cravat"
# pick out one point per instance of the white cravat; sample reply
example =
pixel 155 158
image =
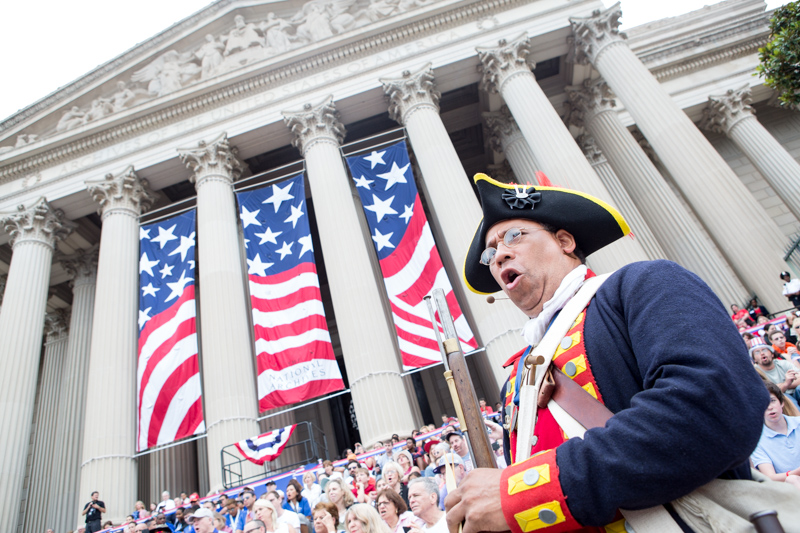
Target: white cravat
pixel 535 328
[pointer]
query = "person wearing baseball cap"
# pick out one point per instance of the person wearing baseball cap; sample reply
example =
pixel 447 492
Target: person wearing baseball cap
pixel 630 349
pixel 202 521
pixel 791 288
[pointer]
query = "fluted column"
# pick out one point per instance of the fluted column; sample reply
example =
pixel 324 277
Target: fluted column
pixel 640 228
pixel 507 70
pixel 107 458
pixel 506 137
pixel 372 363
pixel 681 238
pixel 732 114
pixel 414 102
pixel 228 363
pixel 45 445
pixel 175 469
pixel 700 172
pixel 63 508
pixel 34 231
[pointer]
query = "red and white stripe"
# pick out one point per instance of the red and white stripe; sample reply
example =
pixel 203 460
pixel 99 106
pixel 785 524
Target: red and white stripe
pixel 410 273
pixel 168 377
pixel 295 358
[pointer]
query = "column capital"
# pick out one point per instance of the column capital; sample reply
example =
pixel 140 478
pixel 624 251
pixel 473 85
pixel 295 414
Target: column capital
pixel 591 35
pixel 724 111
pixel 502 128
pixel 81 265
pixel 123 193
pixel 590 149
pixel 412 91
pixel 56 325
pixel 588 100
pixel 39 222
pixel 315 123
pixel 500 64
pixel 215 160
pixel 645 145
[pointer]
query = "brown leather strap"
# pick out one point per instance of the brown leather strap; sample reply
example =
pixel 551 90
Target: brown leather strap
pixel 578 403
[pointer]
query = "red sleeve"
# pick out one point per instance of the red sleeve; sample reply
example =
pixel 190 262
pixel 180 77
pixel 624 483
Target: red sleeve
pixel 532 498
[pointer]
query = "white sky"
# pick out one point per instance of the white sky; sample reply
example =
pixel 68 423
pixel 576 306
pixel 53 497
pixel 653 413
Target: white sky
pixel 49 43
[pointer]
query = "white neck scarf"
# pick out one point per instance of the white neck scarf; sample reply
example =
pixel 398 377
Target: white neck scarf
pixel 535 328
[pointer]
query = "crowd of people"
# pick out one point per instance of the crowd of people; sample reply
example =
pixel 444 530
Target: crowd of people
pixel 397 486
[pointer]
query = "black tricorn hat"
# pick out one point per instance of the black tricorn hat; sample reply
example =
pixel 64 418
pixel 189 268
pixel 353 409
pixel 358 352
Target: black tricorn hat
pixel 592 222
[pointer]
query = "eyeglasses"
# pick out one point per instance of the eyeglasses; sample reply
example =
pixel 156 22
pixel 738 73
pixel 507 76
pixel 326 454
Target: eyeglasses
pixel 383 504
pixel 510 239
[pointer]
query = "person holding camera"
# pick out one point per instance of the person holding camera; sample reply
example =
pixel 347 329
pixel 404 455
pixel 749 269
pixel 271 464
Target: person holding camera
pixel 94 512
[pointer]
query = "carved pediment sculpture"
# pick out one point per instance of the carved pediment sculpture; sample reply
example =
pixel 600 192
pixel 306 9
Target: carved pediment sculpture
pixel 245 43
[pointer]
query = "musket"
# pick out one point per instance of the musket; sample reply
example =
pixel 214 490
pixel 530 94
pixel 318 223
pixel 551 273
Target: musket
pixel 460 384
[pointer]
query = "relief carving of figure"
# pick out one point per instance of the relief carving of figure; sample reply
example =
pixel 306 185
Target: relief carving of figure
pixel 210 56
pixel 379 9
pixel 22 140
pixel 168 73
pixel 123 97
pixel 278 40
pixel 100 108
pixel 71 119
pixel 315 22
pixel 242 37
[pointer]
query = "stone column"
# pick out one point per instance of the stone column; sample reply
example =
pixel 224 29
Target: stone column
pixel 63 507
pixel 700 172
pixel 365 332
pixel 414 102
pixel 175 469
pixel 680 237
pixel 228 362
pixel 640 228
pixel 109 436
pixel 506 137
pixel 732 114
pixel 34 231
pixel 507 70
pixel 45 446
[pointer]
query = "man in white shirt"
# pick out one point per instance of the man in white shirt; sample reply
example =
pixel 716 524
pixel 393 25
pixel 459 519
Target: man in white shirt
pixel 166 504
pixel 284 516
pixel 791 288
pixel 423 499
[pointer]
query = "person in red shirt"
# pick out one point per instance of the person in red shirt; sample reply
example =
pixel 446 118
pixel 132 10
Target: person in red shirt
pixel 363 485
pixel 739 314
pixel 485 409
pixel 779 344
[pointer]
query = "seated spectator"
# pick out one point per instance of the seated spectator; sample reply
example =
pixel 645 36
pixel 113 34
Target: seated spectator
pixel 485 409
pixel 311 489
pixel 755 311
pixel 327 472
pixel 405 460
pixel 284 517
pixel 358 449
pixel 449 460
pixel 739 315
pixel 362 518
pixel 296 503
pixel 416 451
pixel 246 512
pixel 459 446
pixel 781 346
pixel 339 495
pixel 781 373
pixel 178 522
pixel 393 474
pixel 395 513
pixel 202 521
pixel 350 472
pixel 777 455
pixel 166 504
pixel 791 289
pixel 364 484
pixel 423 497
pixel 436 451
pixel 108 524
pixel 140 511
pixel 326 518
pixel 267 511
pixel 220 522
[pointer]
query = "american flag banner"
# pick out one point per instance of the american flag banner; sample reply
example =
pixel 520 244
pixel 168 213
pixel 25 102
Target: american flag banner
pixel 169 403
pixel 409 260
pixel 294 355
pixel 266 447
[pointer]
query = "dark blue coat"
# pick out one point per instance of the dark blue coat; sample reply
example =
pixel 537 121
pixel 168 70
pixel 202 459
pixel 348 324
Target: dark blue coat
pixel 689 406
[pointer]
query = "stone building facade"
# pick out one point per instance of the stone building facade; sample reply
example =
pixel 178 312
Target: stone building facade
pixel 667 123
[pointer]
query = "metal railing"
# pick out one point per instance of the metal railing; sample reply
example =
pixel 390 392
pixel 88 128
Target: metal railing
pixel 308 444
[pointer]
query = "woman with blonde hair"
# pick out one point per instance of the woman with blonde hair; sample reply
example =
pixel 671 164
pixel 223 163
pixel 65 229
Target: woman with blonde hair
pixel 406 462
pixel 266 512
pixel 393 474
pixel 341 496
pixel 362 518
pixel 140 511
pixel 311 489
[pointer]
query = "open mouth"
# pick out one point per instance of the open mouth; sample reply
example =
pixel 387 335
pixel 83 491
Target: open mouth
pixel 509 276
